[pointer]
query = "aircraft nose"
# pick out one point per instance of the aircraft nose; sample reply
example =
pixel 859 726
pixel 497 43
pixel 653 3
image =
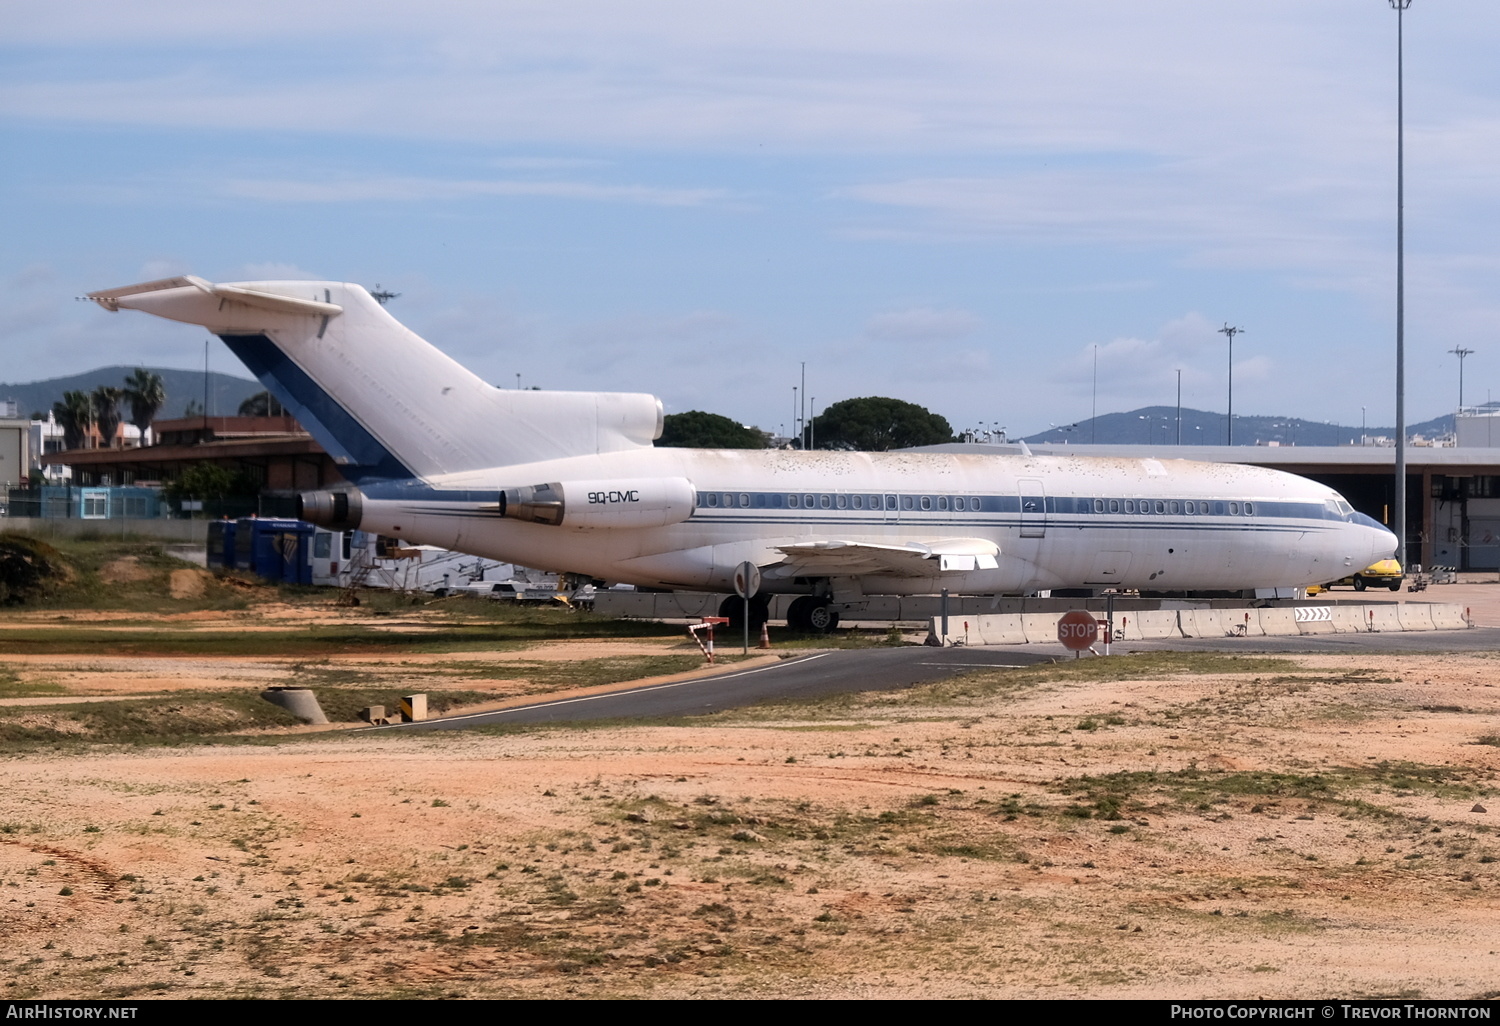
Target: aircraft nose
pixel 1382 539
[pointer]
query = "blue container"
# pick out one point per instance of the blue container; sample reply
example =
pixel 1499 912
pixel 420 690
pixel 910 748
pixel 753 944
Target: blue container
pixel 276 549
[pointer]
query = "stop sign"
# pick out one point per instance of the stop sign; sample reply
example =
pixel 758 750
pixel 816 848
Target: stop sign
pixel 1077 629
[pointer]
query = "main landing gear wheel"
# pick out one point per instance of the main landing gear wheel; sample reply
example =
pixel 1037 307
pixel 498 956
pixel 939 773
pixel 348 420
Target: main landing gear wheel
pixel 734 609
pixel 812 614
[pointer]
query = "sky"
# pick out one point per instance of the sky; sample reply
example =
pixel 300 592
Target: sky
pixel 966 205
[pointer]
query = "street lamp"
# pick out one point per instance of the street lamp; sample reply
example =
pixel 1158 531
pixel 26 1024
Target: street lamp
pixel 1229 332
pixel 1400 496
pixel 1461 352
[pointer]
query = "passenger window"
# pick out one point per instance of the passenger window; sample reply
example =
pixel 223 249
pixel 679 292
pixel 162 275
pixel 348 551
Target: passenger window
pixel 890 502
pixel 1249 509
pixel 1174 507
pixel 926 502
pixel 1129 505
pixel 713 499
pixel 859 502
pixel 792 502
pixel 823 501
pixel 906 502
pixel 807 500
pixel 942 502
pixel 1161 507
pixel 1190 507
pixel 841 501
pixel 1114 505
pixel 1098 505
pixel 744 500
pixel 1234 509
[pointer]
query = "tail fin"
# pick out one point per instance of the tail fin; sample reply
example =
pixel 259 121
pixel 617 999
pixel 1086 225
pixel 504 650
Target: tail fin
pixel 384 403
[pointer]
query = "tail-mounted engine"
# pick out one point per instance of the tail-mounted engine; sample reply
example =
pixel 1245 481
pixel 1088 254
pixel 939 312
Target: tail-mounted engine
pixel 632 502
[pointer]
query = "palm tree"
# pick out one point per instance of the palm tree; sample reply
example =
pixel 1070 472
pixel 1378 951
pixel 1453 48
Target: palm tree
pixel 146 395
pixel 107 412
pixel 76 415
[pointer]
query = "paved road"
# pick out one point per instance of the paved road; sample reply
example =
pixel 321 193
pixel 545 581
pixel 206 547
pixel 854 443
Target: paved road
pixel 810 676
pixel 885 669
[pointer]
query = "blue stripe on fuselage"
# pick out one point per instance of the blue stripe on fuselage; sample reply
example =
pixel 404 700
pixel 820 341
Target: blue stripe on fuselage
pixel 359 456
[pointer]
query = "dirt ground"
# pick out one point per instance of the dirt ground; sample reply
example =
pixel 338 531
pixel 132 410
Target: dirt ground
pixel 1262 827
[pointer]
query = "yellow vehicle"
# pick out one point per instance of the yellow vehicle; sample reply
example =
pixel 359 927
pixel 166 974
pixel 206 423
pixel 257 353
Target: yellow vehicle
pixel 1387 573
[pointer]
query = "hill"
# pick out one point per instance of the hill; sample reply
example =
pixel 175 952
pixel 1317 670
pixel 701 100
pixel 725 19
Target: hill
pixel 1157 425
pixel 226 391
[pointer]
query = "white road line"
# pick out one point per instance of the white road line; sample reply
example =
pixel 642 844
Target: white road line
pixel 611 694
pixel 1012 666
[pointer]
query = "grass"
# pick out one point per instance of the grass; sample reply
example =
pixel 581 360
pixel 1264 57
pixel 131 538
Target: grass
pixel 1114 795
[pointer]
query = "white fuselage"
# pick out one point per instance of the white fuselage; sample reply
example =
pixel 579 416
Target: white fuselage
pixel 1057 522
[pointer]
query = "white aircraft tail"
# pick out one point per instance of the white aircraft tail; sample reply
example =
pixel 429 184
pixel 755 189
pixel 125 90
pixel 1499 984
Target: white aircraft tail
pixel 383 402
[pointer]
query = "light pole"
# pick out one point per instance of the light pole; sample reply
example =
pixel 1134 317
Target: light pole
pixel 1179 405
pixel 1461 352
pixel 1094 409
pixel 1229 333
pixel 1363 438
pixel 1400 496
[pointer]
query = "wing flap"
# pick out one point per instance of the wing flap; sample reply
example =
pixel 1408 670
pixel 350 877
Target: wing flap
pixel 840 558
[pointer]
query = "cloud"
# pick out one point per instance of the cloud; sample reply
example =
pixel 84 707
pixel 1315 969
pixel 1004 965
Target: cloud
pixel 922 325
pixel 411 190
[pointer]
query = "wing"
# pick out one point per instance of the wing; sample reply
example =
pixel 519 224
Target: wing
pixel 834 558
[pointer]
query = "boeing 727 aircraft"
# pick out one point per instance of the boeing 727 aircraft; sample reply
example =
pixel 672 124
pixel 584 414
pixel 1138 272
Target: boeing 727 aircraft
pixel 570 481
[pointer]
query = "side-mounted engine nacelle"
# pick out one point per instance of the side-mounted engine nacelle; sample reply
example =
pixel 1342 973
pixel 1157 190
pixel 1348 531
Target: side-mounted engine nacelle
pixel 340 511
pixel 608 502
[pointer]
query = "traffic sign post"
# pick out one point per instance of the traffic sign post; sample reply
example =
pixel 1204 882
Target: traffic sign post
pixel 1077 630
pixel 746 584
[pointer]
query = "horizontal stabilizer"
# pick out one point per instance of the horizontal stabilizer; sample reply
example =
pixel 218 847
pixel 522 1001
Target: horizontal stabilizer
pixel 111 299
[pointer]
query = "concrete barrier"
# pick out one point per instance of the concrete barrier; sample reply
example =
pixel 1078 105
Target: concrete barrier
pixel 996 629
pixel 1157 623
pixel 1383 616
pixel 1315 620
pixel 1448 616
pixel 1278 621
pixel 1040 628
pixel 1201 623
pixel 1350 619
pixel 1414 616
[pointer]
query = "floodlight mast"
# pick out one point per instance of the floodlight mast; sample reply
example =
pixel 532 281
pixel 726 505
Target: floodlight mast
pixel 1229 417
pixel 1400 496
pixel 1461 352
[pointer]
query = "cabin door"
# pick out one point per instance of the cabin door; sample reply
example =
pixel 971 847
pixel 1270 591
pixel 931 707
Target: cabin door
pixel 1033 508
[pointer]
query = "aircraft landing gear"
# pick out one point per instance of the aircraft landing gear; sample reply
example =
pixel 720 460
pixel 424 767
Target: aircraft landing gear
pixel 734 609
pixel 813 614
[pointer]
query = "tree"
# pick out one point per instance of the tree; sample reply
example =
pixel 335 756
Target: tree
pixel 261 404
pixel 146 395
pixel 876 424
pixel 698 430
pixel 107 412
pixel 75 413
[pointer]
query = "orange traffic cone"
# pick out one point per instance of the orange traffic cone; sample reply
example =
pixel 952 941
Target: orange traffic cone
pixel 765 636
